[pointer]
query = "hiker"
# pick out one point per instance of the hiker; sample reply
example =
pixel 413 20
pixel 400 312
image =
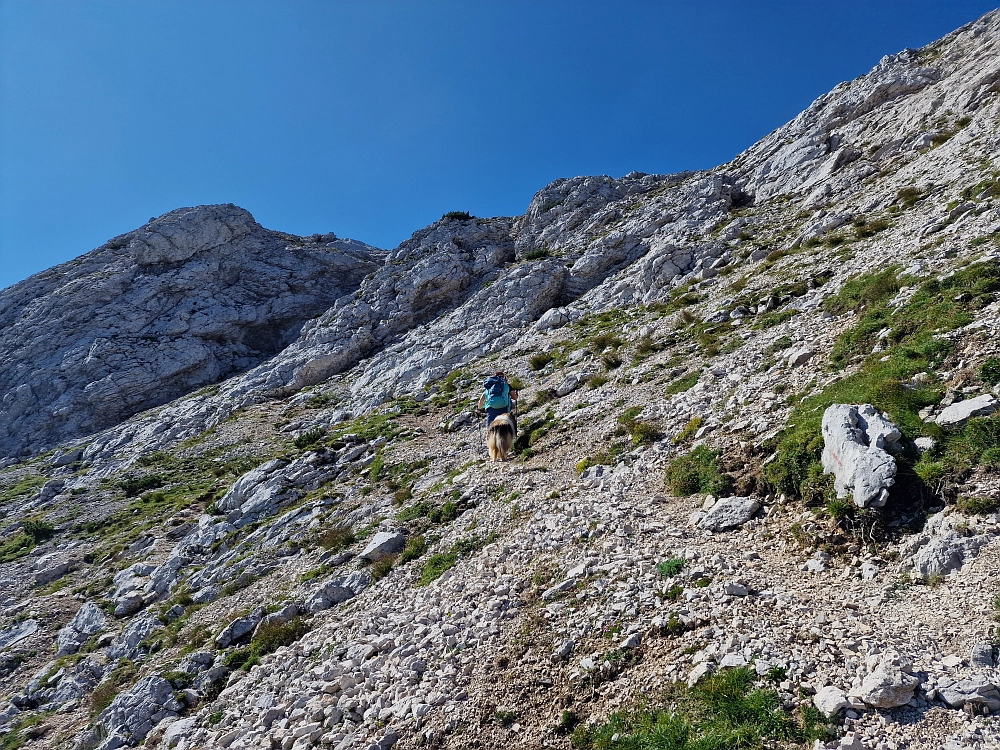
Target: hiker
pixel 498 398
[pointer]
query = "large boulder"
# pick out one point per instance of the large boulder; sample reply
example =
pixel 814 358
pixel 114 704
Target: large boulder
pixel 383 544
pixel 854 451
pixel 240 628
pixel 977 690
pixel 129 643
pixel 891 683
pixel 338 590
pixel 132 714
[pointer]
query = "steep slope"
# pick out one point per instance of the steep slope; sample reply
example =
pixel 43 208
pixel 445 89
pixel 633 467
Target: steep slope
pixel 185 301
pixel 334 564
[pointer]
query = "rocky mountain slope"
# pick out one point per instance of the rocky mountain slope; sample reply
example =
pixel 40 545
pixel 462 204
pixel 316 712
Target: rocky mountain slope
pixel 187 300
pixel 755 479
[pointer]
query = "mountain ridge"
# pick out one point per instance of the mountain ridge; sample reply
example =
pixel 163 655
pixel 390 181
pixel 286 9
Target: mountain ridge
pixel 313 552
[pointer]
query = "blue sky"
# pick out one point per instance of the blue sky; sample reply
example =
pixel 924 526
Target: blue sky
pixel 371 119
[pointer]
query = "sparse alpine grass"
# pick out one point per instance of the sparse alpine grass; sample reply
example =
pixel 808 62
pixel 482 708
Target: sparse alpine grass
pixel 909 335
pixel 723 712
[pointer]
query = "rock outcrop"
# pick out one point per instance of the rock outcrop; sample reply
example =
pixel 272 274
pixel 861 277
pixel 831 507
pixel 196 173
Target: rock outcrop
pixel 854 451
pixel 185 301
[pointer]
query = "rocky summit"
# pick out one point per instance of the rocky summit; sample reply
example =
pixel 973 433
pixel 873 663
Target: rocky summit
pixel 753 500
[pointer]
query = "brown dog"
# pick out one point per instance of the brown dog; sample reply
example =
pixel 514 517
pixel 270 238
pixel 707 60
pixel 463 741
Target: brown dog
pixel 500 437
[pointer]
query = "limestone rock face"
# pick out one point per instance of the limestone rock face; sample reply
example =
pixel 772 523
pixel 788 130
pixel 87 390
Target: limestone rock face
pixel 186 300
pixel 855 438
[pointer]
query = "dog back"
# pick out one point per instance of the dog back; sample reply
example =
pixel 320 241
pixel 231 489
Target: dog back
pixel 500 437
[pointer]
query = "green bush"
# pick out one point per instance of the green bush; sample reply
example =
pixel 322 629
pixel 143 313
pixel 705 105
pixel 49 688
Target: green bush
pixel 698 471
pixel 538 361
pixel 671 567
pixel 457 216
pixel 336 538
pixel 611 360
pixel 688 431
pixel 309 438
pixel 415 547
pixel 132 485
pixel 382 567
pixel 267 639
pixel 537 254
pixel 644 433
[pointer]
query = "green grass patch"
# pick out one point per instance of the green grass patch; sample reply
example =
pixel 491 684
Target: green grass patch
pixel 23 486
pixel 437 565
pixel 911 346
pixel 698 471
pixel 989 371
pixel 671 567
pixel 681 384
pixel 32 534
pixel 723 712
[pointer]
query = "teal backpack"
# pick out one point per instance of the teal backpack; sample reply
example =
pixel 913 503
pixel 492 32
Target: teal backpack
pixel 497 393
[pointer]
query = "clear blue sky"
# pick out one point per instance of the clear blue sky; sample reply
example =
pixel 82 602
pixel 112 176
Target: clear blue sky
pixel 371 119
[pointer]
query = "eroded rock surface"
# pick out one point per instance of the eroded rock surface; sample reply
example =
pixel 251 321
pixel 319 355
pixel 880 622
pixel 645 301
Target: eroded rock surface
pixel 854 451
pixel 185 301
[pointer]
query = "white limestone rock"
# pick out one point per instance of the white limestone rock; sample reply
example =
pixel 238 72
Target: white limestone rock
pixel 960 412
pixel 854 451
pixel 831 700
pixel 729 513
pixel 190 298
pixel 383 544
pixel 88 621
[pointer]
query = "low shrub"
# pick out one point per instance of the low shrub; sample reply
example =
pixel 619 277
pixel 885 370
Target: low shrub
pixel 457 216
pixel 309 438
pixel 267 639
pixel 698 471
pixel 671 567
pixel 611 360
pixel 415 547
pixel 537 254
pixel 383 566
pixel 133 485
pixel 336 538
pixel 688 431
pixel 644 433
pixel 538 361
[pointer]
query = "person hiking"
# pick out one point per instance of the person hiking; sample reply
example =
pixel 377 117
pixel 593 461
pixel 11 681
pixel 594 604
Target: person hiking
pixel 498 398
